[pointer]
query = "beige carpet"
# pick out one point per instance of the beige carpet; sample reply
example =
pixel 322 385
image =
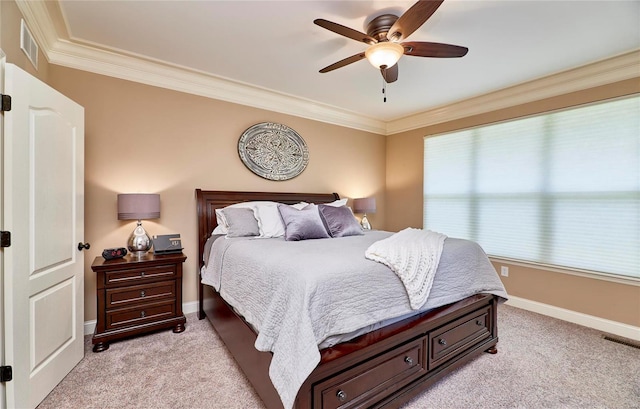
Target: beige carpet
pixel 561 365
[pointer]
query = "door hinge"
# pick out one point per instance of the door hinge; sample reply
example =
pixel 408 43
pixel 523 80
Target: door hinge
pixel 6 373
pixel 5 239
pixel 6 103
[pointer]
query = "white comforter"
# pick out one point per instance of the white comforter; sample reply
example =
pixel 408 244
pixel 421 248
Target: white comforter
pixel 296 294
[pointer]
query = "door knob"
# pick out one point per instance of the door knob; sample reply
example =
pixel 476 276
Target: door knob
pixel 83 246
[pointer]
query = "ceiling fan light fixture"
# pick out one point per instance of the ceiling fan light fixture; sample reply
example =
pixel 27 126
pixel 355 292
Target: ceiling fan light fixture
pixel 384 53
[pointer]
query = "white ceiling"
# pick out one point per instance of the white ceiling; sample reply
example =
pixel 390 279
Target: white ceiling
pixel 274 45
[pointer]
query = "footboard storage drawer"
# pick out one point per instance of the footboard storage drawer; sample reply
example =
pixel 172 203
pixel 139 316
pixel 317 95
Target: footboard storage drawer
pixel 459 335
pixel 367 382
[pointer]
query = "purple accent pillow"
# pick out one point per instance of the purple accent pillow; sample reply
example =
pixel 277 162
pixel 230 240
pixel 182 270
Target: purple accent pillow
pixel 339 221
pixel 302 224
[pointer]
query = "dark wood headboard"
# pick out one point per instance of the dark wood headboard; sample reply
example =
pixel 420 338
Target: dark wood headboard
pixel 210 200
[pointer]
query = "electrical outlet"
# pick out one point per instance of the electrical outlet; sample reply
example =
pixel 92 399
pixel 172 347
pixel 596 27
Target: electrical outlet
pixel 504 271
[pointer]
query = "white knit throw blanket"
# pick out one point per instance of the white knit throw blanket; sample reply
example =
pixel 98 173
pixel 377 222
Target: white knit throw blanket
pixel 413 254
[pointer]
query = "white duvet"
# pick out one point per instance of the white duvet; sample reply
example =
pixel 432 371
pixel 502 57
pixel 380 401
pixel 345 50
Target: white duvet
pixel 296 294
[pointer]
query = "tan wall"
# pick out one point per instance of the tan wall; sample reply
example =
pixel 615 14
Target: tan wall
pixel 145 139
pixel 10 17
pixel 613 301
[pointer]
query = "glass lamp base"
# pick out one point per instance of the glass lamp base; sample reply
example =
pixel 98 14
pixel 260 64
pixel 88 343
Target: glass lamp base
pixel 139 242
pixel 365 223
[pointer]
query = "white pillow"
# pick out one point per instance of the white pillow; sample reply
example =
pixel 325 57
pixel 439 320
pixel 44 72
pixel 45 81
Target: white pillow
pixel 269 220
pixel 338 203
pixel 220 229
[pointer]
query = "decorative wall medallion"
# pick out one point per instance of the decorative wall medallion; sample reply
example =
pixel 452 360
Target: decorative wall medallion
pixel 273 151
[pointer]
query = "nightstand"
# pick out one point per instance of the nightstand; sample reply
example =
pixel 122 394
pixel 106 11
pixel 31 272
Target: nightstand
pixel 137 295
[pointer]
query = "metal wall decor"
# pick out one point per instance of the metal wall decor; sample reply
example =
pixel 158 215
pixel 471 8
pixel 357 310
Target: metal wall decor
pixel 273 151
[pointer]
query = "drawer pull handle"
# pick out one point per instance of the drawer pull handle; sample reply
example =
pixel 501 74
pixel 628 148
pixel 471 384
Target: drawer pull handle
pixel 142 314
pixel 442 341
pixel 408 360
pixel 142 293
pixel 479 322
pixel 341 395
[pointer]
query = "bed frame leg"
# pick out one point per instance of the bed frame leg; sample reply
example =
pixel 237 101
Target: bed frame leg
pixel 201 314
pixel 493 350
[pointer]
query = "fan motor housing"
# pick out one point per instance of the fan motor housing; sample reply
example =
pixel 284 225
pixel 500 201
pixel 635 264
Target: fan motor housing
pixel 379 26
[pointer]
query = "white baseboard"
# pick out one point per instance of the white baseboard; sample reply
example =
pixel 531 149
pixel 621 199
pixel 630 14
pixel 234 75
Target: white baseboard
pixel 89 327
pixel 190 307
pixel 187 308
pixel 601 324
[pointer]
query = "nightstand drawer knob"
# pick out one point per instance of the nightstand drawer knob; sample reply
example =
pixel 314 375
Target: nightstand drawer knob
pixel 408 360
pixel 341 395
pixel 142 293
pixel 442 341
pixel 479 322
pixel 142 274
pixel 142 314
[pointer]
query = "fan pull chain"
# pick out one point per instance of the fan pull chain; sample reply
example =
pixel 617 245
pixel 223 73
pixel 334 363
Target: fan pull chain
pixel 384 90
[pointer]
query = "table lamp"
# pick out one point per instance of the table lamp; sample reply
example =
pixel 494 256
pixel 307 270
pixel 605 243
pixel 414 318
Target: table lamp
pixel 138 206
pixel 364 205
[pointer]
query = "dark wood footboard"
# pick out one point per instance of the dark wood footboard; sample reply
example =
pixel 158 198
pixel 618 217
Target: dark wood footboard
pixel 382 369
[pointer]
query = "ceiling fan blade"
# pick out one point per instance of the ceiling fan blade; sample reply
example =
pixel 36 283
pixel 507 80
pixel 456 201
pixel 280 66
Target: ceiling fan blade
pixel 342 63
pixel 390 74
pixel 345 31
pixel 436 50
pixel 412 19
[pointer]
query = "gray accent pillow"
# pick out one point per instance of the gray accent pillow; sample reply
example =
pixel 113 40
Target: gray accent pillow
pixel 339 221
pixel 302 224
pixel 241 221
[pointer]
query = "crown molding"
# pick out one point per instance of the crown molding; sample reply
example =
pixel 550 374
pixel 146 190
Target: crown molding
pixel 59 50
pixel 618 68
pixel 181 79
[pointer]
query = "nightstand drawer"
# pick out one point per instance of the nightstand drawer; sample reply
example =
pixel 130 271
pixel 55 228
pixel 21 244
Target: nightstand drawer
pixel 141 314
pixel 122 296
pixel 132 276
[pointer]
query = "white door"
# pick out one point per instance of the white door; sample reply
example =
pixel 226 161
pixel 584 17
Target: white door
pixel 43 208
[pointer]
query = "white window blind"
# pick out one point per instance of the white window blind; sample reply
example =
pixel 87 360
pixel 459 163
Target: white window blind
pixel 561 188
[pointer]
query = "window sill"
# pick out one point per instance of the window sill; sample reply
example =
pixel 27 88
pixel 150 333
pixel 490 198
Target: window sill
pixel 615 278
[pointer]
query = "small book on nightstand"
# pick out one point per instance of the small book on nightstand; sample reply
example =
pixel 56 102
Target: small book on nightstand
pixel 167 244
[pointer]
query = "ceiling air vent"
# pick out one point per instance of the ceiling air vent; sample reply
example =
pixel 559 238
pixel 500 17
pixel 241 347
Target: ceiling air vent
pixel 28 44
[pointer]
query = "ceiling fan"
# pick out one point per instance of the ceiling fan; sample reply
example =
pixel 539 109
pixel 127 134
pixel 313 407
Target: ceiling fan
pixel 384 36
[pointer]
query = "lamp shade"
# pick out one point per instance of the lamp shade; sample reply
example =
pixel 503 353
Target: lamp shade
pixel 364 205
pixel 138 206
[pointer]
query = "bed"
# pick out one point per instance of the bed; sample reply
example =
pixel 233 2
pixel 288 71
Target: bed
pixel 385 367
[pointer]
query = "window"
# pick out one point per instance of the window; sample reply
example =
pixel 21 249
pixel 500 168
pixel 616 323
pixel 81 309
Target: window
pixel 561 188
